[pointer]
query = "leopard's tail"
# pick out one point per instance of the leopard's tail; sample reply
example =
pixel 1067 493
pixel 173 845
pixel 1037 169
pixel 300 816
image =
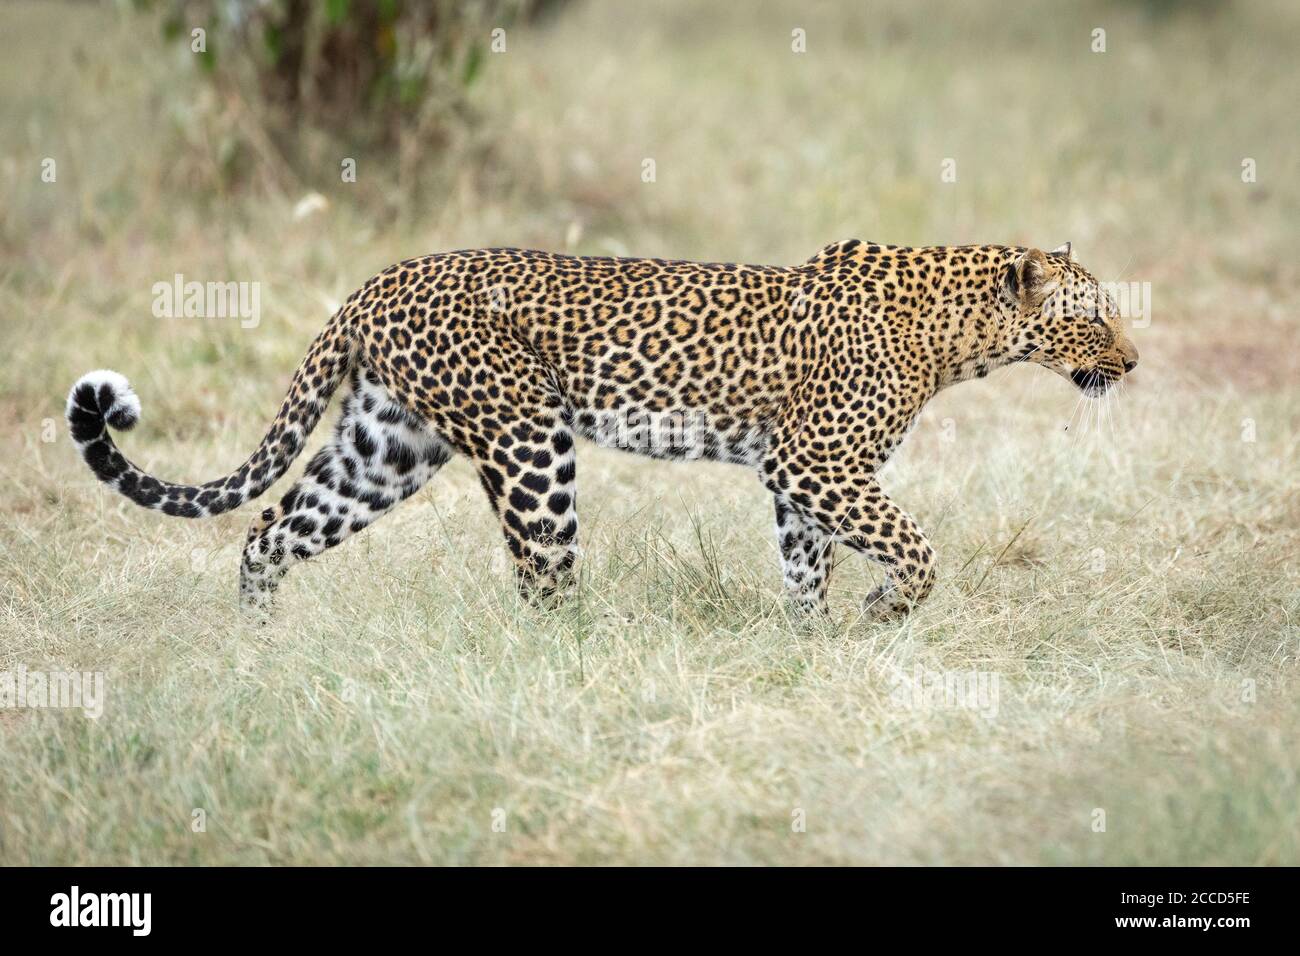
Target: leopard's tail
pixel 104 398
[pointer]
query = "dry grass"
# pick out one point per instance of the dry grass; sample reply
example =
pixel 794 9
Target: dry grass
pixel 1131 580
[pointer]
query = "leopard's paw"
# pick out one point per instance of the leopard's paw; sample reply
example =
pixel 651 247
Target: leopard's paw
pixel 884 603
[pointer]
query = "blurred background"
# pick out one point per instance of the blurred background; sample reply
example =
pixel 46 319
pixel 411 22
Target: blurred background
pixel 1127 575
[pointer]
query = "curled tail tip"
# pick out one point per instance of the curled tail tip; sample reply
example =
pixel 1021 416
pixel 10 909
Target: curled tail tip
pixel 106 395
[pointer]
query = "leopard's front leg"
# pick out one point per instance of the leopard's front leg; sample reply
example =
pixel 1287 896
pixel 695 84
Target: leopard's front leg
pixel 807 555
pixel 876 527
pixel 838 429
pixel 856 512
pixel 909 575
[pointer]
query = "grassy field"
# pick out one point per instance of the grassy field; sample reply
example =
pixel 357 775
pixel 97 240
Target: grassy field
pixel 1127 574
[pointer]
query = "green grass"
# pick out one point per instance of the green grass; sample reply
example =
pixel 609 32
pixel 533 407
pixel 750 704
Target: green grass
pixel 1131 580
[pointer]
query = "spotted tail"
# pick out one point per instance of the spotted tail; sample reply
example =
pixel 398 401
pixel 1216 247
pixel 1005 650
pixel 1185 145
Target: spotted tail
pixel 104 398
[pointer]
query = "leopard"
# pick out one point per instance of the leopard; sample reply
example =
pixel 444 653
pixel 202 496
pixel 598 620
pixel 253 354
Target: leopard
pixel 810 376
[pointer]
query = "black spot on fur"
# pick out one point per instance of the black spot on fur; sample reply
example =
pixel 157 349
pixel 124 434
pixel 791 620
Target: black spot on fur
pixel 535 482
pixel 522 500
pixel 365 445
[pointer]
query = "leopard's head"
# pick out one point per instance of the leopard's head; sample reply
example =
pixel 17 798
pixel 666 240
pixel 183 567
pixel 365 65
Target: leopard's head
pixel 1061 317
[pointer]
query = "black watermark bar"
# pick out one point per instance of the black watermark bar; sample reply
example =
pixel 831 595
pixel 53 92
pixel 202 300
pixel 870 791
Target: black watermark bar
pixel 338 906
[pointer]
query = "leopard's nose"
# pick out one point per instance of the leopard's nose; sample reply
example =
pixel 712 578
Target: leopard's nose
pixel 1128 353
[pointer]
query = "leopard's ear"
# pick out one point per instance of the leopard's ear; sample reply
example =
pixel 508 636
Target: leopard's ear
pixel 1065 252
pixel 1027 276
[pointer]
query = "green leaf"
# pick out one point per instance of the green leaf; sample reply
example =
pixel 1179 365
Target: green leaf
pixel 336 11
pixel 473 63
pixel 274 41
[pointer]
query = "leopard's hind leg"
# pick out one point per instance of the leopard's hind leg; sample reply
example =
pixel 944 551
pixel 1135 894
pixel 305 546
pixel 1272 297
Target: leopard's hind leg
pixel 528 474
pixel 380 454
